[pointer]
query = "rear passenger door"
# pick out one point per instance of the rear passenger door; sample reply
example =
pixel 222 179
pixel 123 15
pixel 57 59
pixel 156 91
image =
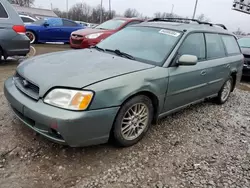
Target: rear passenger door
pixel 187 83
pixel 217 62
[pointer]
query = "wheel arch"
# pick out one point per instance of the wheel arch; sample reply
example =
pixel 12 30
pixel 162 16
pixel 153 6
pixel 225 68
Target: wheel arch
pixel 154 99
pixel 234 76
pixel 33 31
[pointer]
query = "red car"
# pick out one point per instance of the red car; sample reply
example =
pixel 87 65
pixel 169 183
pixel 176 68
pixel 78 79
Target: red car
pixel 85 38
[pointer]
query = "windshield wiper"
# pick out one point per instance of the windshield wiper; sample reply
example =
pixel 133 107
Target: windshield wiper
pixel 122 54
pixel 98 48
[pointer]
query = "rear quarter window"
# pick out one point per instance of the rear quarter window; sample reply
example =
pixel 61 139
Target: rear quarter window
pixel 3 13
pixel 231 45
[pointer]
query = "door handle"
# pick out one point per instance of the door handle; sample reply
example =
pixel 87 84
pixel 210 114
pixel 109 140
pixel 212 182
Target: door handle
pixel 228 66
pixel 203 73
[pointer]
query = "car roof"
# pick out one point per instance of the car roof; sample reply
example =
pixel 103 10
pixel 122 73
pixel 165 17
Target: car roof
pixel 126 19
pixel 186 27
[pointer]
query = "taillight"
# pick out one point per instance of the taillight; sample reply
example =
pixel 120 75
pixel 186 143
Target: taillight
pixel 19 29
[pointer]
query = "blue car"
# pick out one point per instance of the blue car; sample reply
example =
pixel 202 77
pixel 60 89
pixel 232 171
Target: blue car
pixel 51 30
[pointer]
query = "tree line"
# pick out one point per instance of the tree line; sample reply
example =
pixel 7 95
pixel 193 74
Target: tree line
pixel 97 14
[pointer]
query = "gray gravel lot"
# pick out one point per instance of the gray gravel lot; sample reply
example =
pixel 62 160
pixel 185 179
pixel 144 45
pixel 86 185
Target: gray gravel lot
pixel 205 145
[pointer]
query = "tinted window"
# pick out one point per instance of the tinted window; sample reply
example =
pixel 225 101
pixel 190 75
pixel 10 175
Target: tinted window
pixel 231 44
pixel 215 48
pixel 111 24
pixel 39 22
pixel 194 44
pixel 25 20
pixel 54 22
pixel 244 42
pixel 68 23
pixel 149 45
pixel 3 13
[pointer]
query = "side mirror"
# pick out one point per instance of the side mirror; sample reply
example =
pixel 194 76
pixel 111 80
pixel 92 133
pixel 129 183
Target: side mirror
pixel 187 60
pixel 45 24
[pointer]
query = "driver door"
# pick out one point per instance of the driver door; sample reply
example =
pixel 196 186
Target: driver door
pixel 187 84
pixel 52 31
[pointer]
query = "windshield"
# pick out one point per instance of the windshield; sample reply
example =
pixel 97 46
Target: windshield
pixel 244 42
pixel 145 44
pixel 39 22
pixel 111 24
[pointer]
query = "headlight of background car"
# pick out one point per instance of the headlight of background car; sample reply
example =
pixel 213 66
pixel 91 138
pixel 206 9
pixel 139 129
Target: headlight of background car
pixel 69 99
pixel 94 36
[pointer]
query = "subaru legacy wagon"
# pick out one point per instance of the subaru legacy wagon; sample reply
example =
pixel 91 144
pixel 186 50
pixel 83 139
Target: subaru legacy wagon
pixel 120 87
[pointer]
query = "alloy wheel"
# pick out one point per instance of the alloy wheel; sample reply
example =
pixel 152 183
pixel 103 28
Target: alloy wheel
pixel 135 121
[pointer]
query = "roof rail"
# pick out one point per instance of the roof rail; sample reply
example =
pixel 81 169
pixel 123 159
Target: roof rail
pixel 185 20
pixel 173 20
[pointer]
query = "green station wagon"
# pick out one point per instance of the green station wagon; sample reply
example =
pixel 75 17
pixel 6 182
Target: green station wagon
pixel 120 87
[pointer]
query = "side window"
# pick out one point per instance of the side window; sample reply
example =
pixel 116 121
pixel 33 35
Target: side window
pixel 194 44
pixel 26 20
pixel 133 23
pixel 54 22
pixel 67 23
pixel 231 44
pixel 3 13
pixel 215 48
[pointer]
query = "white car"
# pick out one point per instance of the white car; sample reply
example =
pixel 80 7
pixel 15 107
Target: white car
pixel 27 19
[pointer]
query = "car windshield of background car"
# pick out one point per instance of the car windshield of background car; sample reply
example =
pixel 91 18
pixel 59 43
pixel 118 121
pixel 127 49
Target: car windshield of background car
pixel 111 24
pixel 244 42
pixel 145 44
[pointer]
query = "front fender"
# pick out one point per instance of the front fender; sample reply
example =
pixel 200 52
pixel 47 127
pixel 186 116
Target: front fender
pixel 113 92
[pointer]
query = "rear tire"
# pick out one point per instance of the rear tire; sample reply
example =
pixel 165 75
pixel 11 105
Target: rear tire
pixel 133 121
pixel 31 35
pixel 225 91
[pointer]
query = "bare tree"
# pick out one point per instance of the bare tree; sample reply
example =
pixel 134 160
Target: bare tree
pixel 130 13
pixel 26 3
pixel 239 32
pixel 202 18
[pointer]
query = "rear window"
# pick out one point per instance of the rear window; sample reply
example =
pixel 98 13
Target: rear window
pixel 231 44
pixel 215 47
pixel 3 13
pixel 68 23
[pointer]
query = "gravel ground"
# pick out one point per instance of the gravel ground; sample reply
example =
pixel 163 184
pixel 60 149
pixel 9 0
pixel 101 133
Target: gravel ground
pixel 205 145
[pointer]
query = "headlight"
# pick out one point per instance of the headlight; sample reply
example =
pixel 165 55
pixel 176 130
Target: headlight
pixel 93 36
pixel 69 99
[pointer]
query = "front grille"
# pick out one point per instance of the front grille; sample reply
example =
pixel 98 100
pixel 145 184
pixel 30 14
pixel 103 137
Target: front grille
pixel 75 35
pixel 26 86
pixel 77 42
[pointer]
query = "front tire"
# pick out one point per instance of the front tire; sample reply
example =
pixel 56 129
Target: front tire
pixel 225 91
pixel 31 35
pixel 133 121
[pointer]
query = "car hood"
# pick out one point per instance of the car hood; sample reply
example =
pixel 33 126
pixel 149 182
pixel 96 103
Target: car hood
pixel 75 69
pixel 245 51
pixel 88 31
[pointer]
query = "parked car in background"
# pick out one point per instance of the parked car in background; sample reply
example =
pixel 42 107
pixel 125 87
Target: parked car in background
pixel 27 19
pixel 51 30
pixel 244 43
pixel 90 37
pixel 126 82
pixel 13 40
pixel 85 24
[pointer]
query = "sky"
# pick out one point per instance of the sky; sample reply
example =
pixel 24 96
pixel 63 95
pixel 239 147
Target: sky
pixel 218 11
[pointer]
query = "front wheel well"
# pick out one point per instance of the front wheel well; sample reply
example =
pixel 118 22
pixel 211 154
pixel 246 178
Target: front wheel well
pixel 33 32
pixel 154 99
